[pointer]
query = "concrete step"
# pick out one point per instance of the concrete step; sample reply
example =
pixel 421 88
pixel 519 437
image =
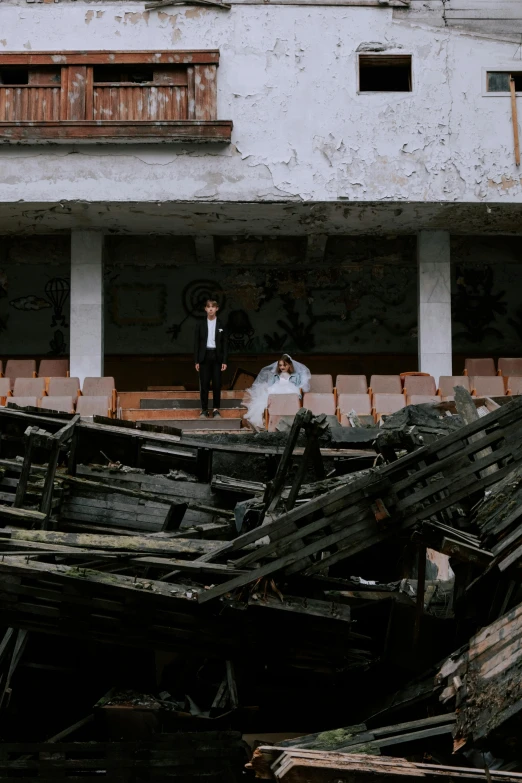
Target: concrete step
pixel 175 415
pixel 133 399
pixel 156 404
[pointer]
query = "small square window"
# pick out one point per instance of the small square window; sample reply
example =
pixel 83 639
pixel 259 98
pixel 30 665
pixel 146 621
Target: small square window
pixel 14 76
pixel 499 81
pixel 384 73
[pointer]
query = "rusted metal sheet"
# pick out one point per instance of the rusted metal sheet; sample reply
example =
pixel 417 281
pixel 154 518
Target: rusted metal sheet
pixel 181 130
pixel 140 102
pixel 110 58
pixel 205 92
pixel 36 104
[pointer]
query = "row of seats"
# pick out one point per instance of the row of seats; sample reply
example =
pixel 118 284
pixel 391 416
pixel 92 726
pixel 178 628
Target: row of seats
pixel 96 397
pixel 364 405
pixel 26 368
pixel 506 367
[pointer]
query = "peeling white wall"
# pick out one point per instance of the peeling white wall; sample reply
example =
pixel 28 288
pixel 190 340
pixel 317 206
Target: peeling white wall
pixel 288 80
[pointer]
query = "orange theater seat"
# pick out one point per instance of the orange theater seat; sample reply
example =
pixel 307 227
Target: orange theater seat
pixel 488 386
pixel 322 384
pixel 61 404
pixel 319 403
pixel 29 387
pixel 384 404
pixel 447 384
pixel 280 405
pixel 420 399
pixel 385 384
pixel 101 387
pixel 514 385
pixel 510 367
pixel 5 390
pixel 351 384
pixel 479 367
pixel 20 368
pixel 64 387
pixel 53 368
pixel 420 384
pixel 94 406
pixel 346 403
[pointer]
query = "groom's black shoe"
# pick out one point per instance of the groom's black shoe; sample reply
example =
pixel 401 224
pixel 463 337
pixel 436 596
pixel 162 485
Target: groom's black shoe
pixel 216 414
pixel 203 415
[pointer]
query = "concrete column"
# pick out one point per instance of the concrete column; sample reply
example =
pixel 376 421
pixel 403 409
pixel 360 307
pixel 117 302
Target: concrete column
pixel 86 304
pixel 434 303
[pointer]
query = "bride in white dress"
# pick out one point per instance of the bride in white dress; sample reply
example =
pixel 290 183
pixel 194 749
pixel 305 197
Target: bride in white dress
pixel 285 376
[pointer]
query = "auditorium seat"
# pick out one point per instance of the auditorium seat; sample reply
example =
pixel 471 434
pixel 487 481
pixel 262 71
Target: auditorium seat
pixel 514 385
pixel 385 384
pixel 386 404
pixel 421 399
pixel 420 384
pixel 318 402
pixel 322 384
pixel 64 387
pixel 447 384
pixel 480 367
pixel 20 368
pixel 29 387
pixel 351 384
pixel 510 368
pixel 61 403
pixel 53 368
pixel 91 405
pixel 487 386
pixel 280 405
pixel 24 402
pixel 100 387
pixel 5 389
pixel 346 403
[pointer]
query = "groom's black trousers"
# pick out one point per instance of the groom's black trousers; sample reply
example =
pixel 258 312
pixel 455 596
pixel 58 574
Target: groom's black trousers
pixel 210 372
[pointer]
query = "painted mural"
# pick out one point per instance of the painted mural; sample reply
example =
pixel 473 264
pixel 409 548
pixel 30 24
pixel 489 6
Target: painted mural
pixel 361 298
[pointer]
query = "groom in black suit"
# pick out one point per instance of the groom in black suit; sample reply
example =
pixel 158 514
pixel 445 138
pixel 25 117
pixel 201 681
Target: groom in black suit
pixel 210 357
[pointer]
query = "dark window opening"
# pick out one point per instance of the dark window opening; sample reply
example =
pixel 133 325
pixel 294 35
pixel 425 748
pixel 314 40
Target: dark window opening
pixel 499 81
pixel 385 73
pixel 117 74
pixel 14 76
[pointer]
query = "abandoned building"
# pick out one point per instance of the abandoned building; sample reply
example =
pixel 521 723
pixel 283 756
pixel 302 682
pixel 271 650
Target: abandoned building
pixel 335 594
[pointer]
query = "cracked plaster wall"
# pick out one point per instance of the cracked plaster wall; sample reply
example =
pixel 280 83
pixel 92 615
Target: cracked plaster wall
pixel 287 78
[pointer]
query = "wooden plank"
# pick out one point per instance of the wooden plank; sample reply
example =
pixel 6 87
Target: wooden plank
pixel 514 115
pixel 69 58
pixel 76 92
pixel 205 92
pixel 215 131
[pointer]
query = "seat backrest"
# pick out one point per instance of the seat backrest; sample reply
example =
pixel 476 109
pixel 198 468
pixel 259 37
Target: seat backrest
pixel 351 384
pixel 510 367
pixel 488 386
pixel 360 403
pixel 420 384
pixel 514 384
pixel 53 368
pixel 283 404
pixel 321 384
pixel 318 402
pixel 480 367
pixel 64 387
pixel 420 399
pixel 386 384
pixel 98 387
pixel 29 387
pixel 23 401
pixel 93 406
pixel 5 386
pixel 388 403
pixel 60 403
pixel 20 368
pixel 447 384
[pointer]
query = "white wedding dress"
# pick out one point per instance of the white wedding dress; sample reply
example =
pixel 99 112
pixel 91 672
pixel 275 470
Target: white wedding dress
pixel 256 397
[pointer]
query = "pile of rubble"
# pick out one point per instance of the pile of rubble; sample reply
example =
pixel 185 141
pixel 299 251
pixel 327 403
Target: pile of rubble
pixel 184 601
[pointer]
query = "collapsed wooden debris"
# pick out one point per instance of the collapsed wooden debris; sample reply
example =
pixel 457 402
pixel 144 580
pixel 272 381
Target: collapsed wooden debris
pixel 126 538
